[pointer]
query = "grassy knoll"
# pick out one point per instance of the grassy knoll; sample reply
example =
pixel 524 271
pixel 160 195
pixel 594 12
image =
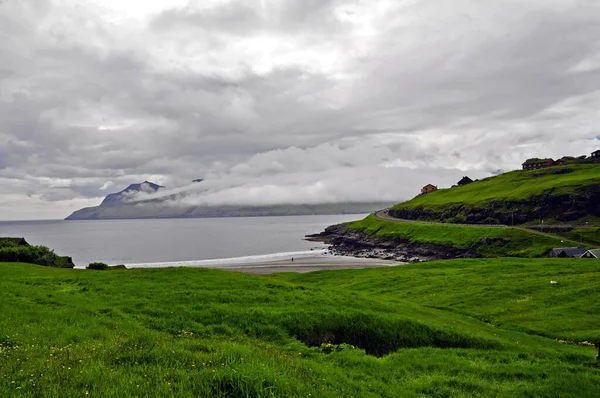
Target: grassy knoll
pixel 587 234
pixel 518 184
pixel 487 241
pixel 508 293
pixel 407 331
pixel 557 194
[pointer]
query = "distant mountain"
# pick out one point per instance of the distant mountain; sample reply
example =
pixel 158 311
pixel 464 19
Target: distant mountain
pixel 121 197
pixel 116 207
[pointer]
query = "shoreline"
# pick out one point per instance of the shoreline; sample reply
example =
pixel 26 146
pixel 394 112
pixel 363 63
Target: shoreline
pixel 310 264
pixel 321 262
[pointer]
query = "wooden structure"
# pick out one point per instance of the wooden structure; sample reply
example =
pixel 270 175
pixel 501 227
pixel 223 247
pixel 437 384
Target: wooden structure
pixel 428 188
pixel 596 156
pixel 465 180
pixel 594 253
pixel 567 252
pixel 535 163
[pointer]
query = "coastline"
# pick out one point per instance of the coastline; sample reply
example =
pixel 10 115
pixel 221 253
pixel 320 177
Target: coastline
pixel 310 264
pixel 317 261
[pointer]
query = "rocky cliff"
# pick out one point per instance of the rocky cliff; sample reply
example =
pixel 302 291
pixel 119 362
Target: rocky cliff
pixel 349 242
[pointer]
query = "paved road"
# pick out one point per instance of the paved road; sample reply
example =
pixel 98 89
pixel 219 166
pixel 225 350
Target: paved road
pixel 384 215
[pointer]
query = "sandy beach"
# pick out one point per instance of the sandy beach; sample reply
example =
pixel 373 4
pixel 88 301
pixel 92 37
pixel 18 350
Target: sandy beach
pixel 307 264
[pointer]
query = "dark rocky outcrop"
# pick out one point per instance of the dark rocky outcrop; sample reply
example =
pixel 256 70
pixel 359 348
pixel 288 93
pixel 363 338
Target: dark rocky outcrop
pixel 345 242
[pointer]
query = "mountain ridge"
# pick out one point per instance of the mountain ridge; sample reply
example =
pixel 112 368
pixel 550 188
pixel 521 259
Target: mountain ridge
pixel 120 205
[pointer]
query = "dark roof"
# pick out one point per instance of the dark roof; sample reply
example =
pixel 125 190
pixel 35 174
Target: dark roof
pixel 537 160
pixel 593 252
pixel 598 151
pixel 568 252
pixel 465 180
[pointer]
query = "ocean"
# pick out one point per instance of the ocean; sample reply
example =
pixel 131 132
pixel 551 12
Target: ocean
pixel 177 242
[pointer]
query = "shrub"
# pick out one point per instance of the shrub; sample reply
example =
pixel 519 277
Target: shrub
pixel 39 255
pixel 98 266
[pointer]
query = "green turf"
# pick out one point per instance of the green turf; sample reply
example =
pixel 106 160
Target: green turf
pixel 487 241
pixel 457 328
pixel 585 234
pixel 514 185
pixel 556 195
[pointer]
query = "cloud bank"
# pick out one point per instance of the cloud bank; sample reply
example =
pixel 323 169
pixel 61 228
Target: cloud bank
pixel 286 100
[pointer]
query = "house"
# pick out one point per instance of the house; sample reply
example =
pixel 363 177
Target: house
pixel 11 242
pixel 428 188
pixel 465 180
pixel 567 252
pixel 596 156
pixel 535 163
pixel 594 253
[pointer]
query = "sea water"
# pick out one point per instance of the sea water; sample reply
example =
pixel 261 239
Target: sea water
pixel 177 242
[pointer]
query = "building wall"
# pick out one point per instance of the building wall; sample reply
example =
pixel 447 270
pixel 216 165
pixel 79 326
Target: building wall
pixel 535 166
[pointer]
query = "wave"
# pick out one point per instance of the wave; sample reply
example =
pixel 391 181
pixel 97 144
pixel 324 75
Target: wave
pixel 233 261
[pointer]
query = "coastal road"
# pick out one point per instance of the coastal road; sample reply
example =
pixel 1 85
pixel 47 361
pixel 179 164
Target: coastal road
pixel 385 215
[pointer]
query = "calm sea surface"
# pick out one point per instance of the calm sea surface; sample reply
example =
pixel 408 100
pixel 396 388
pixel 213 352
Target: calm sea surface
pixel 173 241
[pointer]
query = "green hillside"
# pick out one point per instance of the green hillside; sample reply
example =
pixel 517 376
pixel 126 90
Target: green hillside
pixel 481 240
pixel 557 194
pixel 452 328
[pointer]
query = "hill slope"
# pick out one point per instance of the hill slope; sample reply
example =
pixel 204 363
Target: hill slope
pixel 566 194
pixel 453 328
pixel 120 197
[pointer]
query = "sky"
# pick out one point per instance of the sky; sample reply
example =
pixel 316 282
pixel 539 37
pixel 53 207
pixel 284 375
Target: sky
pixel 286 101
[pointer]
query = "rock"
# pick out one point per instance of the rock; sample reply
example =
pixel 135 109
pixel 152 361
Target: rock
pixel 357 244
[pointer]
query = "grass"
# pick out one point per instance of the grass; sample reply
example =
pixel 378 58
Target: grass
pixel 512 294
pixel 487 241
pixel 558 195
pixel 455 328
pixel 587 234
pixel 514 185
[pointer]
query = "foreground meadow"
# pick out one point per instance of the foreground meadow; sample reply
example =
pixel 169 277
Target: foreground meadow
pixel 494 327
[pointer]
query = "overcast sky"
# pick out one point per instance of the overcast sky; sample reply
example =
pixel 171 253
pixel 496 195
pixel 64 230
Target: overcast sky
pixel 286 100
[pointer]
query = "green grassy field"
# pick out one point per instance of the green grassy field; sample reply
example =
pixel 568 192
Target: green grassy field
pixel 487 241
pixel 559 195
pixel 493 327
pixel 586 234
pixel 514 185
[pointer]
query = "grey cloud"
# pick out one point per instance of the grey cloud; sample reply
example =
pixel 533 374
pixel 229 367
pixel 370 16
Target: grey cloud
pixel 397 93
pixel 253 17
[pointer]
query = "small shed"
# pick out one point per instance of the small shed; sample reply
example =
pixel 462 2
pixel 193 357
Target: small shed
pixel 465 180
pixel 594 253
pixel 567 252
pixel 428 188
pixel 596 156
